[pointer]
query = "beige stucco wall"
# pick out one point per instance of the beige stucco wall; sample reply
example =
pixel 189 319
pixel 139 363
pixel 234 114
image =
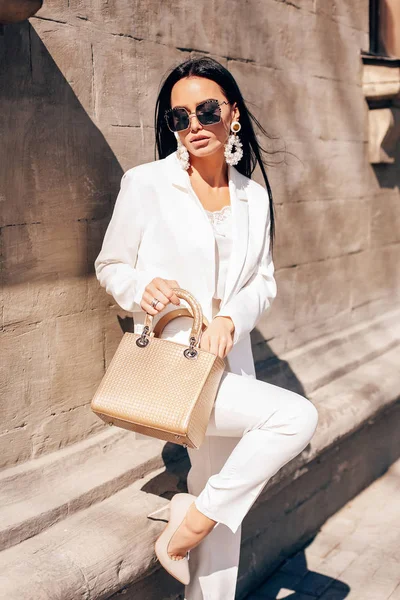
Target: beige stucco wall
pixel 78 86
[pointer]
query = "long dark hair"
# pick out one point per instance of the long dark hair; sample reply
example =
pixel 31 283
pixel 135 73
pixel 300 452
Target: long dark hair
pixel 209 68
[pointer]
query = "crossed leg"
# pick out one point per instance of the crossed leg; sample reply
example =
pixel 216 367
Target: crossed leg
pixel 255 428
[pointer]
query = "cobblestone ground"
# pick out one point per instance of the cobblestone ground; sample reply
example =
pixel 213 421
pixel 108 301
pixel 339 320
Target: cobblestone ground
pixel 355 555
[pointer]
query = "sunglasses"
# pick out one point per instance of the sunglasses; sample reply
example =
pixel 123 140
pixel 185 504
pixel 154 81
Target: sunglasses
pixel 207 113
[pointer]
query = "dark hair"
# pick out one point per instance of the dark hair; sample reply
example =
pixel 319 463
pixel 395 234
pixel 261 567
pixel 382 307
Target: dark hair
pixel 211 69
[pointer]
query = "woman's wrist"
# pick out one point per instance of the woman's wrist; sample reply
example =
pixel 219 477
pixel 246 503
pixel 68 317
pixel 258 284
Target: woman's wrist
pixel 232 329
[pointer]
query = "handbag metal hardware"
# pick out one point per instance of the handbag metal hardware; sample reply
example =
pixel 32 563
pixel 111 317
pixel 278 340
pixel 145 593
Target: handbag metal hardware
pixel 143 340
pixel 191 352
pixel 178 437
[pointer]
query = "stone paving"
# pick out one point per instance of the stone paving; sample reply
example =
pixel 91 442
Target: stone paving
pixel 355 554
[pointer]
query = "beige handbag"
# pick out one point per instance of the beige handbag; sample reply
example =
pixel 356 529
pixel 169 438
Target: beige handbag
pixel 161 388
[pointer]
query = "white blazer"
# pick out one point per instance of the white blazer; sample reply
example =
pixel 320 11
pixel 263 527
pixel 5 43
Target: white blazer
pixel 159 228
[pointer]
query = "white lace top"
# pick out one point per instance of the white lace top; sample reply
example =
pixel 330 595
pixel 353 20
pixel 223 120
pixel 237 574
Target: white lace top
pixel 221 221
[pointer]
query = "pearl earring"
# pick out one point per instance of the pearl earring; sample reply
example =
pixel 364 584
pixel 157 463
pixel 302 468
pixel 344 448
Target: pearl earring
pixel 232 158
pixel 182 153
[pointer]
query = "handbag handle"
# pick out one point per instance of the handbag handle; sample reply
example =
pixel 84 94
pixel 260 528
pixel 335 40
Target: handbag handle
pixel 174 314
pixel 197 313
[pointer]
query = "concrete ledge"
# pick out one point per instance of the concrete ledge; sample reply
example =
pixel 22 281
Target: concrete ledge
pixel 42 492
pixel 105 543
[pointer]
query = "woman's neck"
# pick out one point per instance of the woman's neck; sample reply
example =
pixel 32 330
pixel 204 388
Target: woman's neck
pixel 212 169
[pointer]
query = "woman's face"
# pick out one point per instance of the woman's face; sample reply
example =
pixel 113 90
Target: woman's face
pixel 189 92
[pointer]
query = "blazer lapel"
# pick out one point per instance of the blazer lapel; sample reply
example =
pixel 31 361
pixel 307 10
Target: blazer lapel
pixel 240 217
pixel 240 232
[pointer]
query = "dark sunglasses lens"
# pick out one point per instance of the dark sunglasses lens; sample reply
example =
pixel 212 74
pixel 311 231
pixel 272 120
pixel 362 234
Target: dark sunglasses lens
pixel 208 113
pixel 178 119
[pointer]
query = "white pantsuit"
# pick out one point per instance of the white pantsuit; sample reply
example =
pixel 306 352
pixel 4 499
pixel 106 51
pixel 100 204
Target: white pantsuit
pixel 160 229
pixel 255 428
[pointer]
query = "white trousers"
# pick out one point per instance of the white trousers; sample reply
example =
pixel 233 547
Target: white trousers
pixel 255 428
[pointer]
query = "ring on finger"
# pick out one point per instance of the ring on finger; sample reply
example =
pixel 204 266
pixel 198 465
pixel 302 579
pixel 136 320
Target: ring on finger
pixel 155 302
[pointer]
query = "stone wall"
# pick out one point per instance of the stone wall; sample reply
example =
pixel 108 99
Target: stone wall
pixel 78 85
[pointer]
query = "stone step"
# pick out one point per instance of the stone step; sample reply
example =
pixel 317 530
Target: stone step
pixel 88 554
pixel 44 491
pixel 327 358
pixel 344 406
pixel 108 546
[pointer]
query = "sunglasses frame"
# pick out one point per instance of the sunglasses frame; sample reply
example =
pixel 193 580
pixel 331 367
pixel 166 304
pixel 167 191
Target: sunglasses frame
pixel 195 113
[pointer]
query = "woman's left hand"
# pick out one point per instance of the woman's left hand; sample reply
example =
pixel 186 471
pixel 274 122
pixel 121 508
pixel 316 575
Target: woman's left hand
pixel 218 337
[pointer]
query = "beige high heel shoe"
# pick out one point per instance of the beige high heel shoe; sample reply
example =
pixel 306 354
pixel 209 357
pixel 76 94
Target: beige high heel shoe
pixel 177 510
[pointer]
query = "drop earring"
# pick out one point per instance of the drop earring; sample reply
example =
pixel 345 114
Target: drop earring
pixel 232 158
pixel 182 153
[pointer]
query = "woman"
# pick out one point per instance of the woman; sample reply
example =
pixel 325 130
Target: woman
pixel 192 219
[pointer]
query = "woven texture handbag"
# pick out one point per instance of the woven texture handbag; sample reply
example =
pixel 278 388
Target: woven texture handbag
pixel 162 388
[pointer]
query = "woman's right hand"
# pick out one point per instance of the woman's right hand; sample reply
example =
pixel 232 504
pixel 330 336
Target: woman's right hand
pixel 162 290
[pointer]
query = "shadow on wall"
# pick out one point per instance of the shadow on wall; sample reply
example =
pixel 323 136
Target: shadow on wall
pixel 388 174
pixel 58 168
pixel 58 183
pixel 15 11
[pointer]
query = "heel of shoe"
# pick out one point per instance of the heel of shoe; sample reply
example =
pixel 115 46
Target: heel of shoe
pixel 162 513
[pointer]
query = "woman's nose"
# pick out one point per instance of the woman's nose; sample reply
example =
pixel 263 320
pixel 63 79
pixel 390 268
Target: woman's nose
pixel 194 125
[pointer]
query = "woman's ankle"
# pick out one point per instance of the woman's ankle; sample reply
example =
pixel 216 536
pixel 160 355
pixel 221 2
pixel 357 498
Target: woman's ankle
pixel 198 522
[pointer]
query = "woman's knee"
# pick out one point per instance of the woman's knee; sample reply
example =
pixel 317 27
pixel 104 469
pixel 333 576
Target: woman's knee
pixel 298 414
pixel 306 416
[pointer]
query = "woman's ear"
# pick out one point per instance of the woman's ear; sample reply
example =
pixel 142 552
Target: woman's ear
pixel 236 113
